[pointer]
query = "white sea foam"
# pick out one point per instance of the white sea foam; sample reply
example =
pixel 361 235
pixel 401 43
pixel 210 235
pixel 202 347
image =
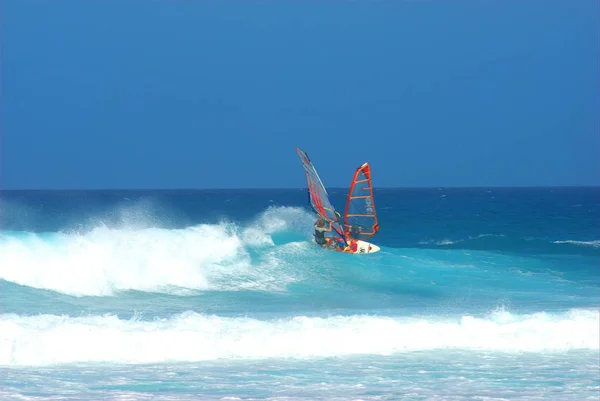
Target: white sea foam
pixel 594 244
pixel 451 242
pixel 105 260
pixel 51 339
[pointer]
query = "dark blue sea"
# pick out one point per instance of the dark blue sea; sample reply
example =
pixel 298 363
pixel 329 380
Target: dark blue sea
pixel 476 294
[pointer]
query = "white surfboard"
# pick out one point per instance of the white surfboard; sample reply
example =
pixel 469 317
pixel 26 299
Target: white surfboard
pixel 366 247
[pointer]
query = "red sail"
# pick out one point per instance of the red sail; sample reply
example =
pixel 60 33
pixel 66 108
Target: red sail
pixel 360 217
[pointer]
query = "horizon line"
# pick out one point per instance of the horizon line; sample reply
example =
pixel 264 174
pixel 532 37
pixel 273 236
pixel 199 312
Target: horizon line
pixel 304 188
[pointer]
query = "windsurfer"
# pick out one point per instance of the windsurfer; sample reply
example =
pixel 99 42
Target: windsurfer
pixel 353 232
pixel 320 231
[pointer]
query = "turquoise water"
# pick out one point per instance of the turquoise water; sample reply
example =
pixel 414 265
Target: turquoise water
pixel 477 294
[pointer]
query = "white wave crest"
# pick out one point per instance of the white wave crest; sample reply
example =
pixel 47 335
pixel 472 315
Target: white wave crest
pixel 105 260
pixel 594 244
pixel 51 339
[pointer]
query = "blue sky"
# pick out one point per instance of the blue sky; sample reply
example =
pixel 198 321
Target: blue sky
pixel 208 94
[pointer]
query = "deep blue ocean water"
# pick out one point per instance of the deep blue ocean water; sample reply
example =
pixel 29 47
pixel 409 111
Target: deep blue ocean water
pixel 477 294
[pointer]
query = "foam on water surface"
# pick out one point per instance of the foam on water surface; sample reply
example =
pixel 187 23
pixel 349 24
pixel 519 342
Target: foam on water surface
pixel 223 296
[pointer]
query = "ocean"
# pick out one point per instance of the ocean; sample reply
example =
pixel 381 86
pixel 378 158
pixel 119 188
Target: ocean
pixel 476 294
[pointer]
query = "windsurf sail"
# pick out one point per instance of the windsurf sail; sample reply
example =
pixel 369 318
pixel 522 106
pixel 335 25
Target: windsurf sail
pixel 360 216
pixel 317 194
